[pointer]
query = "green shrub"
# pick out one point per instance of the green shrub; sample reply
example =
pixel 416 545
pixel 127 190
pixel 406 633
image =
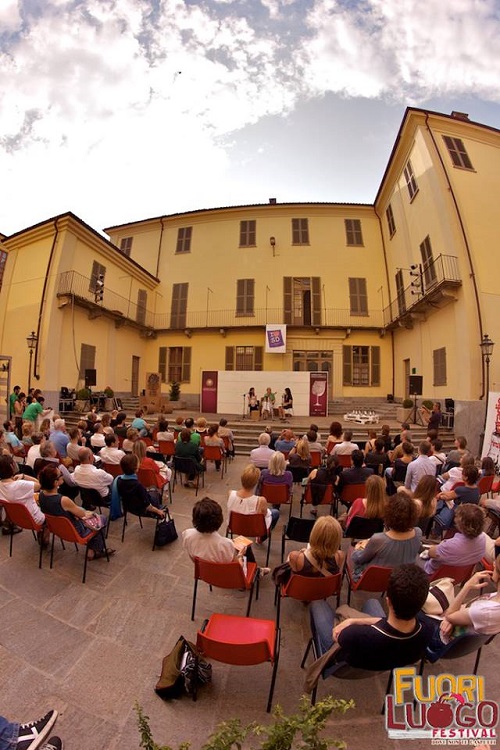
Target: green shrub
pixel 428 404
pixel 175 391
pixel 83 394
pixel 407 403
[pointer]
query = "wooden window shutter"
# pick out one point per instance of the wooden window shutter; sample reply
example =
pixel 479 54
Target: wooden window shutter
pixel 229 358
pixel 186 364
pixel 316 300
pixel 375 362
pixel 258 357
pixel 347 365
pixel 287 299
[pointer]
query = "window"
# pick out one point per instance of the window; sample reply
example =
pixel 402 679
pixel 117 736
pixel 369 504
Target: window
pixel 459 155
pixel 439 358
pixel 162 363
pixel 400 292
pixel 358 297
pixel 3 260
pixel 391 224
pixel 179 306
pixel 361 365
pixel 179 364
pixel 428 266
pixel 245 296
pixel 411 182
pixel 247 233
pixel 184 235
pixel 353 232
pixel 87 359
pixel 312 361
pixel 300 232
pixel 142 303
pixel 302 301
pixel 126 245
pixel 97 270
pixel 244 357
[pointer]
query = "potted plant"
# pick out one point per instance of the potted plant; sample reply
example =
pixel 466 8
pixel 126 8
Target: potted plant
pixel 175 391
pixel 404 413
pixel 82 399
pixel 110 394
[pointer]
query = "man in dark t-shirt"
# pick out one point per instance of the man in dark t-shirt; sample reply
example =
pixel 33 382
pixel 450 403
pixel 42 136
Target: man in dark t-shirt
pixel 372 640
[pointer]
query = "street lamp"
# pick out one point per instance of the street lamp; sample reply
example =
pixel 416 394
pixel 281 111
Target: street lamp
pixel 486 351
pixel 32 341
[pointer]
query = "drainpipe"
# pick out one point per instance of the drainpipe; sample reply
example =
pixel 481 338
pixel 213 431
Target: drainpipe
pixel 466 243
pixel 36 371
pixel 393 376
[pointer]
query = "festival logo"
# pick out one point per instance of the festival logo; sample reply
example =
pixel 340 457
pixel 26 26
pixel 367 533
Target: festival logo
pixel 275 338
pixel 447 709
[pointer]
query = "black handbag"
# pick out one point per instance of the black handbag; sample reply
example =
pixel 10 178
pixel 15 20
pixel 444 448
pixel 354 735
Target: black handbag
pixel 165 531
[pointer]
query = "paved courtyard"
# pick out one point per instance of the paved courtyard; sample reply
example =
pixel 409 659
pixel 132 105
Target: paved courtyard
pixel 92 650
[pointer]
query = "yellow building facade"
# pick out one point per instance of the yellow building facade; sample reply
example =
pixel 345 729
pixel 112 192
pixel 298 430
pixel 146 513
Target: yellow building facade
pixel 368 293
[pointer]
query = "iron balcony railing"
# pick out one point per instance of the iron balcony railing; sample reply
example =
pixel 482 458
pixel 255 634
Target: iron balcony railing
pixel 82 289
pixel 428 280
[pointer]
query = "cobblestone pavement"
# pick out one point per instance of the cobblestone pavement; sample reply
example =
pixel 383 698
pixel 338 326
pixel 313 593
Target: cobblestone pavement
pixel 92 650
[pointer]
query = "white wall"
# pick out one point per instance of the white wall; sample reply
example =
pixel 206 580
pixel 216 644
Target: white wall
pixel 232 386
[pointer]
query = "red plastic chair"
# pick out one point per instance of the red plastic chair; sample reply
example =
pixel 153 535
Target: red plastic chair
pixel 149 478
pixel 459 573
pixel 63 528
pixel 114 469
pixel 485 484
pixel 350 492
pixel 308 589
pixel 252 524
pixel 215 453
pixel 277 494
pixel 227 446
pixel 328 497
pixel 345 460
pixel 225 576
pixel 241 641
pixel 316 459
pixel 19 515
pixel 166 447
pixel 374 579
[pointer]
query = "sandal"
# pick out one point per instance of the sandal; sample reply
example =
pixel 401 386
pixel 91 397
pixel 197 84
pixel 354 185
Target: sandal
pixel 99 555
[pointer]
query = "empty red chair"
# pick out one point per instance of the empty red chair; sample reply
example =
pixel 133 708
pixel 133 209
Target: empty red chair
pixel 226 576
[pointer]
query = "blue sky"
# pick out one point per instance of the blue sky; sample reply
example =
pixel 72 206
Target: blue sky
pixel 123 109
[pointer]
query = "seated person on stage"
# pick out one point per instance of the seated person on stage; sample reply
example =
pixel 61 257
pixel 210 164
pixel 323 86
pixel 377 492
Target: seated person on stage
pixel 323 556
pixel 399 543
pixel 111 454
pixel 346 447
pixel 267 403
pixel 260 456
pixel 186 448
pixel 286 441
pixel 133 494
pixel 357 474
pixel 466 547
pixel 370 639
pixel 378 459
pixel 481 616
pixel 252 400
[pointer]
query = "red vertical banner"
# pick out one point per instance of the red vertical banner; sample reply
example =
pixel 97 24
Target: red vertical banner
pixel 209 392
pixel 318 394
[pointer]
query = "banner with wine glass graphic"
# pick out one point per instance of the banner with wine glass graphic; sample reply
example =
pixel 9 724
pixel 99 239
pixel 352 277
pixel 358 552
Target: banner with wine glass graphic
pixel 318 394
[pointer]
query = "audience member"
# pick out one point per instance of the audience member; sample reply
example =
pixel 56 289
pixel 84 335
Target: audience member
pixel 300 455
pixel 419 467
pixel 186 448
pixel 378 459
pixel 111 454
pixel 320 478
pixel 346 447
pixel 370 506
pixel 88 476
pixel 260 456
pixel 285 442
pixel 323 556
pixel 246 501
pixel 335 436
pixel 227 435
pixel 466 547
pixel 357 474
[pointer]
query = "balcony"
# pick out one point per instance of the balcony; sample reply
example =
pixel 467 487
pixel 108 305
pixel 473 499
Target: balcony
pixel 433 287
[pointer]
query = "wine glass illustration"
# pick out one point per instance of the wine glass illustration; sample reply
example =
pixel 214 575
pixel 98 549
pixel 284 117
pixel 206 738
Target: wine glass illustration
pixel 318 390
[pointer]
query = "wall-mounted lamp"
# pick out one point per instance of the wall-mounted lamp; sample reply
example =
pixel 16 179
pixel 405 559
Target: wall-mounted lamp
pixel 272 242
pixel 188 332
pixel 382 333
pixel 317 331
pixel 223 332
pixel 347 332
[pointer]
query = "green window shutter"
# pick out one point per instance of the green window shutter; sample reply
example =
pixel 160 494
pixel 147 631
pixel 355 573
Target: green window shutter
pixel 347 365
pixel 316 300
pixel 287 299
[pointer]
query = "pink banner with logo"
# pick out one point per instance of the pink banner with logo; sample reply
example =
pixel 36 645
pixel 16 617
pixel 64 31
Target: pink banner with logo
pixel 318 394
pixel 209 392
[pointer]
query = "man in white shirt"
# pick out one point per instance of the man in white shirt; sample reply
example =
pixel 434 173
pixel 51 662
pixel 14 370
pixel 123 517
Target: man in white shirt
pixel 34 450
pixel 260 456
pixel 346 447
pixel 111 454
pixel 88 476
pixel 420 467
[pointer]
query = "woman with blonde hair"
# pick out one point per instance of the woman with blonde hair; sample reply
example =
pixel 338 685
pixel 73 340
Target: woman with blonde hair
pixel 323 556
pixel 276 472
pixel 425 496
pixel 300 455
pixel 246 501
pixel 161 471
pixel 371 506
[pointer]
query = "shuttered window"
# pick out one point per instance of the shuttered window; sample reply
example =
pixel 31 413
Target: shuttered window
pixel 248 233
pixel 142 303
pixel 245 297
pixel 244 357
pixel 162 363
pixel 459 155
pixel 439 360
pixel 179 305
pixel 97 270
pixel 179 364
pixel 361 365
pixel 353 232
pixel 184 235
pixel 358 297
pixel 300 232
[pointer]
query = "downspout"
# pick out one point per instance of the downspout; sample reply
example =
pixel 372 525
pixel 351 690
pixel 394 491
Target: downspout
pixel 393 376
pixel 36 372
pixel 467 247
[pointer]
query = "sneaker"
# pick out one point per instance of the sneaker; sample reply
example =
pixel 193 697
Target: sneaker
pixel 32 734
pixel 53 743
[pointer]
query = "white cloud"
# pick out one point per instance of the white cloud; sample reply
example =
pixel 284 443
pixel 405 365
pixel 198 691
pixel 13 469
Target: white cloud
pixel 10 18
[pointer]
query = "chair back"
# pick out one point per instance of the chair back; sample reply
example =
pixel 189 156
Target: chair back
pixel 64 529
pixel 213 453
pixel 350 492
pixel 465 644
pixel 345 460
pixel 364 528
pixel 184 464
pixel 374 578
pixel 226 441
pixel 312 588
pixel 237 642
pixel 459 573
pixel 19 515
pixel 276 494
pixel 253 524
pixel 298 473
pixel 223 575
pixel 114 469
pixel 327 498
pixel 485 484
pixel 166 447
pixel 147 441
pixel 316 459
pixel 147 477
pixel 299 529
